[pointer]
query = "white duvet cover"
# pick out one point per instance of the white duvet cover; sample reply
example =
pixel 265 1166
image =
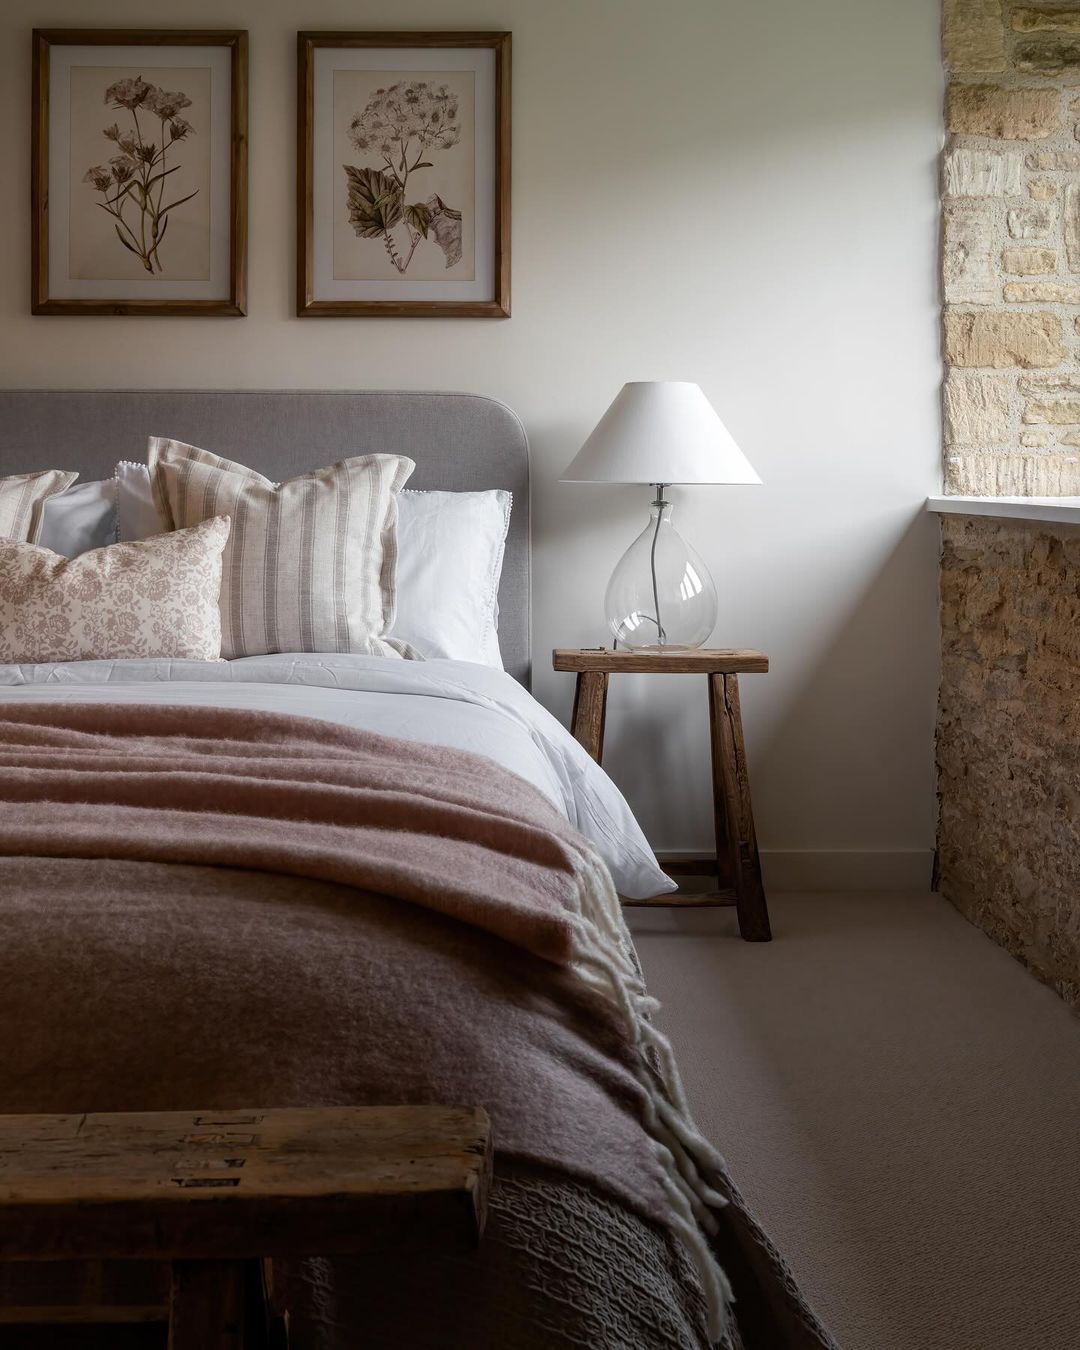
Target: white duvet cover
pixel 452 703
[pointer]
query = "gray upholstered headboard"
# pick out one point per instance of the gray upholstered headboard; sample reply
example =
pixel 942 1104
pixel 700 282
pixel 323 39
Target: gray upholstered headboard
pixel 459 442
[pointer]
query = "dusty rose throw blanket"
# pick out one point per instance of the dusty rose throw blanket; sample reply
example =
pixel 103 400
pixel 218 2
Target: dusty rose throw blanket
pixel 279 825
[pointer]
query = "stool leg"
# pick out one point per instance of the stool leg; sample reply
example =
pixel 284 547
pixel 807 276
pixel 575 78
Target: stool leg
pixel 207 1305
pixel 731 792
pixel 590 711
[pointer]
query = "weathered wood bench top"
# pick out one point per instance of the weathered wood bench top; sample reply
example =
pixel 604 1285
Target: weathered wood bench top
pixel 215 1185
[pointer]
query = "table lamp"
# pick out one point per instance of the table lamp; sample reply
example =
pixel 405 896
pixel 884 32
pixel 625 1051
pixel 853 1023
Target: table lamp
pixel 660 432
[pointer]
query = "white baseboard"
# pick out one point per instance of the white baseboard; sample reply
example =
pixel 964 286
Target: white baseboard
pixel 825 869
pixel 847 869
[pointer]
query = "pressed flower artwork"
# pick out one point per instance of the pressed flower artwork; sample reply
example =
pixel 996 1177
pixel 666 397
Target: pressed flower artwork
pixel 141 208
pixel 139 172
pixel 404 202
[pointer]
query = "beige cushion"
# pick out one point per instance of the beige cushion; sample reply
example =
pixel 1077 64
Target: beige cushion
pixel 158 597
pixel 22 498
pixel 310 564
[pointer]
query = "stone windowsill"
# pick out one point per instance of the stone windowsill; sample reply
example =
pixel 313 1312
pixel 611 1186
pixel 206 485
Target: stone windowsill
pixel 1061 510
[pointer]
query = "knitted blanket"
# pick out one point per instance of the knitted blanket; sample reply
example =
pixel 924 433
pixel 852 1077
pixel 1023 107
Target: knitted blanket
pixel 234 909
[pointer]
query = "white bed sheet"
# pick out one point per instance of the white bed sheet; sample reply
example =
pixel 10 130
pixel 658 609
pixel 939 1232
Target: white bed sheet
pixel 452 703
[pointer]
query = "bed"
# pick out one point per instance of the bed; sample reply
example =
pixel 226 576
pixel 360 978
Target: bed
pixel 304 878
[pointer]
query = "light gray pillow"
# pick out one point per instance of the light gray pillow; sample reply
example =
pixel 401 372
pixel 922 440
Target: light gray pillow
pixel 80 518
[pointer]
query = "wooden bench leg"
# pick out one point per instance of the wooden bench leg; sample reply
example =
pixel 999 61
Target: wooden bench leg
pixel 590 711
pixel 735 836
pixel 207 1307
pixel 275 1309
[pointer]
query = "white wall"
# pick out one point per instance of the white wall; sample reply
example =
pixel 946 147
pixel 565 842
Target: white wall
pixel 741 194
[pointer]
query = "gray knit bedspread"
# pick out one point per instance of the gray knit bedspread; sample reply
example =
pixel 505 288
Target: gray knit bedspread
pixel 561 1267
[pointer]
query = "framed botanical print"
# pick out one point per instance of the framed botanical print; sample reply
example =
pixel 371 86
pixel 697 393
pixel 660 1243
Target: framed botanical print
pixel 403 174
pixel 139 171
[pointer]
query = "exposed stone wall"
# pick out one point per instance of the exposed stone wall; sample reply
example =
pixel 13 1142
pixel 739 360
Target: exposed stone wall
pixel 1008 743
pixel 1008 747
pixel 1011 247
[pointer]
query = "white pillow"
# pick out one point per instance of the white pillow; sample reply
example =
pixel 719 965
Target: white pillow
pixel 450 555
pixel 79 519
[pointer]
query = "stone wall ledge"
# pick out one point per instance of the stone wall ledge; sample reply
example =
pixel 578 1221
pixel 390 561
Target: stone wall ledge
pixel 1056 510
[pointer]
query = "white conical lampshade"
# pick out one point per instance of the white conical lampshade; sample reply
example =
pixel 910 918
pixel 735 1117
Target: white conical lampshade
pixel 660 431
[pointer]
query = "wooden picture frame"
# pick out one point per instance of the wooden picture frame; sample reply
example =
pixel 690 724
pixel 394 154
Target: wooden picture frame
pixel 82 263
pixel 357 231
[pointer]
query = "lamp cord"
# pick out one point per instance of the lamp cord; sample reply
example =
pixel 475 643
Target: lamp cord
pixel 659 503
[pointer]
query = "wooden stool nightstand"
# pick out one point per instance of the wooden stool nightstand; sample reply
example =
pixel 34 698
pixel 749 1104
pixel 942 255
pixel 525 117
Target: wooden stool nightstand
pixel 738 867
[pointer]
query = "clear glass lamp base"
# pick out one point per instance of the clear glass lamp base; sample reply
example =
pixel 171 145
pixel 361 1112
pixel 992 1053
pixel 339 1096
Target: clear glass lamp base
pixel 661 596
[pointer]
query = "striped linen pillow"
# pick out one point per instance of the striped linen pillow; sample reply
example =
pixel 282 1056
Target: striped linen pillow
pixel 310 563
pixel 22 500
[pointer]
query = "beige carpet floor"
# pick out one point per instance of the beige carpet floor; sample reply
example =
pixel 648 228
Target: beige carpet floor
pixel 899 1101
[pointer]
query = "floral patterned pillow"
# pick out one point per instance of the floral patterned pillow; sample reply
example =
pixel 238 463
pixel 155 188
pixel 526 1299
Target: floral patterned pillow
pixel 157 597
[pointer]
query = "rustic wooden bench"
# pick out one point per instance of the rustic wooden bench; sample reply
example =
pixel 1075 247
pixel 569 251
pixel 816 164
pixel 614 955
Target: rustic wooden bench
pixel 217 1193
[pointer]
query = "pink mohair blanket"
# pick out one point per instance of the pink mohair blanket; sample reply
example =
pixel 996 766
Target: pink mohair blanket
pixel 194 898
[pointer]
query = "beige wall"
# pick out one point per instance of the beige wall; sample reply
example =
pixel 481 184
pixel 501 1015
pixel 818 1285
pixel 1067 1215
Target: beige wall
pixel 739 194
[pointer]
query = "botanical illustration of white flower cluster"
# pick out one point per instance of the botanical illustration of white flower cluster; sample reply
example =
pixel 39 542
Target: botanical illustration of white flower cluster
pixel 402 127
pixel 137 175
